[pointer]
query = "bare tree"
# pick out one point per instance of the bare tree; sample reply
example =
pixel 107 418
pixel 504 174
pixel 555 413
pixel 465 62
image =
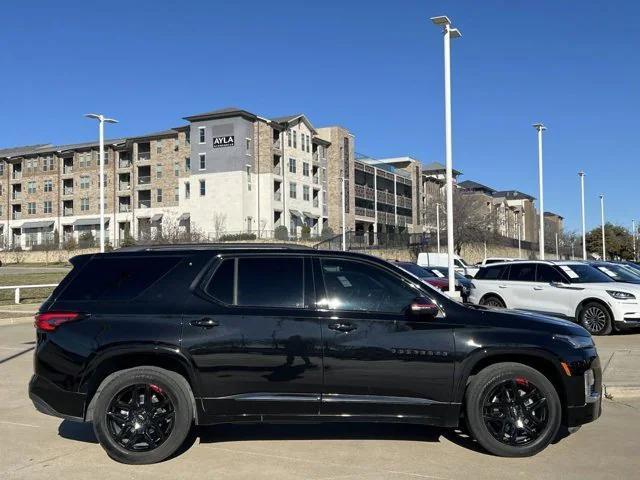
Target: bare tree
pixel 219 224
pixel 473 220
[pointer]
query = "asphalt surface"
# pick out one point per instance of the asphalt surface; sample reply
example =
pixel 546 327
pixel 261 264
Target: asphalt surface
pixel 34 446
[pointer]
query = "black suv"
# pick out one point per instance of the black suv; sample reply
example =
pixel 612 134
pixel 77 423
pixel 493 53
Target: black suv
pixel 146 342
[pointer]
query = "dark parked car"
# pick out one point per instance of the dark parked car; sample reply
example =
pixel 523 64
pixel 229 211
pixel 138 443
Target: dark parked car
pixel 146 342
pixel 434 277
pixel 463 284
pixel 619 272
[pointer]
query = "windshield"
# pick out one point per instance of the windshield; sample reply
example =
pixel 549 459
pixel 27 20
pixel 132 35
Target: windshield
pixel 619 273
pixel 582 273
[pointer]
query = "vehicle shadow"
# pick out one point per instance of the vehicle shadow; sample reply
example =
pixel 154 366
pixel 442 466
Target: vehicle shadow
pixel 80 432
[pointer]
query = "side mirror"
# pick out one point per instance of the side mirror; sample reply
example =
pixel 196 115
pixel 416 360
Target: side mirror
pixel 423 307
pixel 559 284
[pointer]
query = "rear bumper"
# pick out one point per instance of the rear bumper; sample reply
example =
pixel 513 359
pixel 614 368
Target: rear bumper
pixel 50 399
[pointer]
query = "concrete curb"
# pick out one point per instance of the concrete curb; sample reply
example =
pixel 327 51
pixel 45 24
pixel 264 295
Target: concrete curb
pixel 614 392
pixel 16 320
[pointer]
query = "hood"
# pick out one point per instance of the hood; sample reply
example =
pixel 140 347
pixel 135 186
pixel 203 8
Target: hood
pixel 535 321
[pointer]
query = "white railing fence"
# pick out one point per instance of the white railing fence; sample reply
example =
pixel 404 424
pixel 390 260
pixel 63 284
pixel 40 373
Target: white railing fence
pixel 17 289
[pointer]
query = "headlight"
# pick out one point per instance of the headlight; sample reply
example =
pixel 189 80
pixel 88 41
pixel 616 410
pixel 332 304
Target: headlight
pixel 621 295
pixel 575 341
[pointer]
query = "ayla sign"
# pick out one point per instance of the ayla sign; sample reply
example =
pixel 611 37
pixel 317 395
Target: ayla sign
pixel 226 141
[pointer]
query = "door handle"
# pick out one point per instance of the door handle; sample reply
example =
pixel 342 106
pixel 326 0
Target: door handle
pixel 537 288
pixel 205 322
pixel 502 286
pixel 342 327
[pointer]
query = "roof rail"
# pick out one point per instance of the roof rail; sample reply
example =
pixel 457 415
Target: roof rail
pixel 213 245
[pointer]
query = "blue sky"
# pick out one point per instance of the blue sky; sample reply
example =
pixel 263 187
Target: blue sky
pixel 373 66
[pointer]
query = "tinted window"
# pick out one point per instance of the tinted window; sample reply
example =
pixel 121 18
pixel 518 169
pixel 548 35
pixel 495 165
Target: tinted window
pixel 416 270
pixel 548 274
pixel 522 272
pixel 271 282
pixel 619 273
pixel 117 278
pixel 221 284
pixel 357 286
pixel 494 260
pixel 491 273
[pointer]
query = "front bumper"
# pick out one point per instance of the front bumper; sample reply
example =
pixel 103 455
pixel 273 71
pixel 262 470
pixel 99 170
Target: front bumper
pixel 50 399
pixel 586 413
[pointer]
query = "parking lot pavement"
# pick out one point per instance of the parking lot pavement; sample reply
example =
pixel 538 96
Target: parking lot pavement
pixel 35 446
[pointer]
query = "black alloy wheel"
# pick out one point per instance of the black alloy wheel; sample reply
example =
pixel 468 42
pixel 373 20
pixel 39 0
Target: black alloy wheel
pixel 492 302
pixel 515 412
pixel 140 417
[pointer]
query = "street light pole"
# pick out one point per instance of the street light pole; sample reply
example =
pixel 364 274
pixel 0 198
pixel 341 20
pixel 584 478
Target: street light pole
pixel 101 121
pixel 633 229
pixel 584 230
pixel 604 246
pixel 557 249
pixel 344 216
pixel 449 32
pixel 518 223
pixel 540 127
pixel 438 225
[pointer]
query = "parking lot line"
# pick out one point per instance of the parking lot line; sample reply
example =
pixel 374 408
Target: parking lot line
pixel 19 424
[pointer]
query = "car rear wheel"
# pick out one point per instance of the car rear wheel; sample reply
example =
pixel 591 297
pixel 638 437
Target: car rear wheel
pixel 492 301
pixel 595 318
pixel 142 415
pixel 512 410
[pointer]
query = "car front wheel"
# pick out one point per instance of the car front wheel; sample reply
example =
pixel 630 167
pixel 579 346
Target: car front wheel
pixel 142 415
pixel 596 319
pixel 512 410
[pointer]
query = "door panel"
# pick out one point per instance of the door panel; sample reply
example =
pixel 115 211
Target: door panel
pixel 250 359
pixel 378 360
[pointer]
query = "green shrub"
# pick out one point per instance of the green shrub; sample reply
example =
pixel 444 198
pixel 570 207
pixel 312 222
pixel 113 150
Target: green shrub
pixel 235 237
pixel 306 232
pixel 281 233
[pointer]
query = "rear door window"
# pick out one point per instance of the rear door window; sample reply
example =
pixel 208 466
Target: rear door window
pixel 548 274
pixel 491 273
pixel 261 282
pixel 117 278
pixel 522 272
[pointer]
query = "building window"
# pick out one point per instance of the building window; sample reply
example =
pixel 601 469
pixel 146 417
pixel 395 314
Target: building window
pixel 203 188
pixel 249 177
pixel 159 195
pixel 158 146
pixel 187 164
pixel 46 207
pixel 305 169
pixel 248 145
pixel 158 171
pixel 1 168
pixel 203 161
pixel 176 169
pixel 187 190
pixel 31 208
pixel 305 193
pixel 295 139
pixel 292 165
pixel 302 139
pixel 31 187
pixel 176 194
pixel 84 182
pixel 176 144
pixel 308 143
pixel 47 164
pixel 48 185
pixel 84 204
pixel 289 138
pixel 292 190
pixel 201 131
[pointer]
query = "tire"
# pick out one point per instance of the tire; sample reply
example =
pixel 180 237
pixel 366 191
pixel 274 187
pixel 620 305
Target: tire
pixel 595 318
pixel 487 414
pixel 162 422
pixel 492 301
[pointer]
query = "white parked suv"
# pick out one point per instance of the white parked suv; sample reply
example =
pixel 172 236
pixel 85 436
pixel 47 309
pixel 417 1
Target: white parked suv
pixel 573 290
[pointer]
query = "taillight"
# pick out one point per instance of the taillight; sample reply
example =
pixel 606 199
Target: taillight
pixel 49 321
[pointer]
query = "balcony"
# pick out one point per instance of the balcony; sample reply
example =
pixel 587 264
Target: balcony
pixel 67 191
pixel 277 169
pixel 144 203
pixel 125 163
pixel 277 196
pixel 124 208
pixel 277 144
pixel 144 180
pixel 317 157
pixel 67 212
pixel 316 202
pixel 144 156
pixel 16 175
pixel 16 215
pixel 123 186
pixel 365 212
pixel 364 191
